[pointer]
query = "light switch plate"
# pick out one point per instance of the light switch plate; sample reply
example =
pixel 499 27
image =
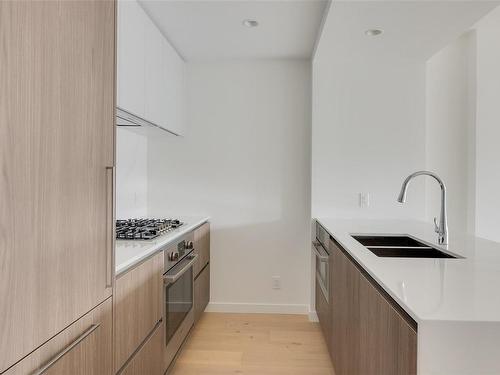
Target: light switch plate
pixel 364 200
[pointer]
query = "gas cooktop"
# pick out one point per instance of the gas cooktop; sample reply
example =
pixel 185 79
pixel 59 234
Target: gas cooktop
pixel 144 229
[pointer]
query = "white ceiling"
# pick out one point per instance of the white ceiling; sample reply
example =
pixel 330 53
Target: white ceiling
pixel 213 30
pixel 412 29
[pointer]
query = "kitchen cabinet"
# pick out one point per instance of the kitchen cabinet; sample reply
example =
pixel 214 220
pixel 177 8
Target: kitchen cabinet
pixel 201 270
pixel 151 74
pixel 138 306
pixel 388 343
pixel 84 348
pixel 201 247
pixel 201 292
pixel 131 58
pixel 370 332
pixel 345 313
pixel 149 357
pixel 57 138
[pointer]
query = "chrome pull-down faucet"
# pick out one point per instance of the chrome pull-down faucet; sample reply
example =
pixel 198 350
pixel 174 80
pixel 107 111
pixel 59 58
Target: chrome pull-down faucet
pixel 441 228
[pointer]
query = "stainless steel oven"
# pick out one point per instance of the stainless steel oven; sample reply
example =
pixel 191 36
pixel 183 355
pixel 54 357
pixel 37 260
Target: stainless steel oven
pixel 321 251
pixel 322 268
pixel 178 294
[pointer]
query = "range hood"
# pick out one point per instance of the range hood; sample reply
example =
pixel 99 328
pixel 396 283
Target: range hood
pixel 127 119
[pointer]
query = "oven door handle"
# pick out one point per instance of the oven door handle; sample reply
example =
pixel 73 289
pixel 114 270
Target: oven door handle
pixel 320 252
pixel 170 279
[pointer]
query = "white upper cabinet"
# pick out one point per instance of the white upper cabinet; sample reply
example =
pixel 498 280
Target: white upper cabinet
pixel 175 89
pixel 131 57
pixel 151 75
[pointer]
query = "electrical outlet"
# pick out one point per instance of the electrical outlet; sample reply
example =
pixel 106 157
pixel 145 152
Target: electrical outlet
pixel 364 200
pixel 276 282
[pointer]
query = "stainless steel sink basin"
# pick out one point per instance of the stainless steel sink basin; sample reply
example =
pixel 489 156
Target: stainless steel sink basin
pixel 400 247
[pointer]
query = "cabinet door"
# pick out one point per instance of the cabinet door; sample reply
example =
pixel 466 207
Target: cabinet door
pixel 131 59
pixel 149 358
pixel 156 76
pixel 56 144
pixel 201 247
pixel 345 280
pixel 388 344
pixel 175 90
pixel 84 348
pixel 201 292
pixel 138 306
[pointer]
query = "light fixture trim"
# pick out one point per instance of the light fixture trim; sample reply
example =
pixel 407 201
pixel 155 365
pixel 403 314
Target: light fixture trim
pixel 250 23
pixel 373 32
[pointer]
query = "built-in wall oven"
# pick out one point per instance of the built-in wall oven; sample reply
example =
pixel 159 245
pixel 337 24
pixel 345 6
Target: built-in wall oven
pixel 322 294
pixel 178 294
pixel 321 251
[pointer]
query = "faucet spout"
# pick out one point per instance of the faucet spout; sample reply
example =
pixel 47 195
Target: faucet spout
pixel 441 228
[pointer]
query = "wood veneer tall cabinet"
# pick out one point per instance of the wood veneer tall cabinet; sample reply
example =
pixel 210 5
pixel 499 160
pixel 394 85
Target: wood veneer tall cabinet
pixel 57 82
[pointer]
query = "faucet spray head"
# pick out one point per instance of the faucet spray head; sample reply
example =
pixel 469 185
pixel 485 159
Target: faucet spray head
pixel 402 195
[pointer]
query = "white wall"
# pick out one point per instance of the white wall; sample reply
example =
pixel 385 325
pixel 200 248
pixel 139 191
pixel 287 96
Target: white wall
pixel 488 127
pixel 368 131
pixel 131 174
pixel 245 161
pixel 463 117
pixel 450 131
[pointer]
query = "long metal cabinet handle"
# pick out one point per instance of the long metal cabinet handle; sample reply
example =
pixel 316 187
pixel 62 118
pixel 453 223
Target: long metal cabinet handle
pixel 321 257
pixel 110 231
pixel 65 351
pixel 170 279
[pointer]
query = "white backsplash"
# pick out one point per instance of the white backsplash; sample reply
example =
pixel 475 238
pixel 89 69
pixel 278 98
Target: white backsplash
pixel 131 174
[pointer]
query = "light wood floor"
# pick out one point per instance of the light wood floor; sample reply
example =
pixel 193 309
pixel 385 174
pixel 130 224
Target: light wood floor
pixel 254 344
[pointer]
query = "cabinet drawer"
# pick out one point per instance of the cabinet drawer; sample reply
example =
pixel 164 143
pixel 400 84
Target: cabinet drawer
pixel 201 292
pixel 138 306
pixel 148 359
pixel 84 348
pixel 202 247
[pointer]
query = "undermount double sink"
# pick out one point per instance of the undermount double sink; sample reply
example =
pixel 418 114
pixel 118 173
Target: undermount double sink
pixel 400 247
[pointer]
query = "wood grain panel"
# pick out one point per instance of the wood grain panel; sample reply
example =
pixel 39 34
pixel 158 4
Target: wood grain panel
pixel 202 247
pixel 388 345
pixel 148 360
pixel 201 292
pixel 56 139
pixel 92 356
pixel 138 306
pixel 345 314
pixel 369 335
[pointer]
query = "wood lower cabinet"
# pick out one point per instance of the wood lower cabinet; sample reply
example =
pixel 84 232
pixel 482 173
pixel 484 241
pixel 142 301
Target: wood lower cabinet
pixel 138 306
pixel 148 360
pixel 57 131
pixel 344 288
pixel 201 292
pixel 371 335
pixel 388 344
pixel 201 247
pixel 84 348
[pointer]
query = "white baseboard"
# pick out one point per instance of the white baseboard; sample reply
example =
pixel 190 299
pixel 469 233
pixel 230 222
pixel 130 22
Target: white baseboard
pixel 256 308
pixel 313 317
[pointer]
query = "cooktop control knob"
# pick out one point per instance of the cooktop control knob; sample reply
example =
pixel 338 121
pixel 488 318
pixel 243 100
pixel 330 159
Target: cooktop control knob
pixel 173 255
pixel 189 245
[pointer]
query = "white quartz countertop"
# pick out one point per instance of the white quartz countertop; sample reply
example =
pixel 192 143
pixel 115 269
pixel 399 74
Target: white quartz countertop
pixel 458 290
pixel 128 253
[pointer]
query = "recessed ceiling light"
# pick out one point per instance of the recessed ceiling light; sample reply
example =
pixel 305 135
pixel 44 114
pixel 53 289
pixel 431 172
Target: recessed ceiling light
pixel 373 32
pixel 250 23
